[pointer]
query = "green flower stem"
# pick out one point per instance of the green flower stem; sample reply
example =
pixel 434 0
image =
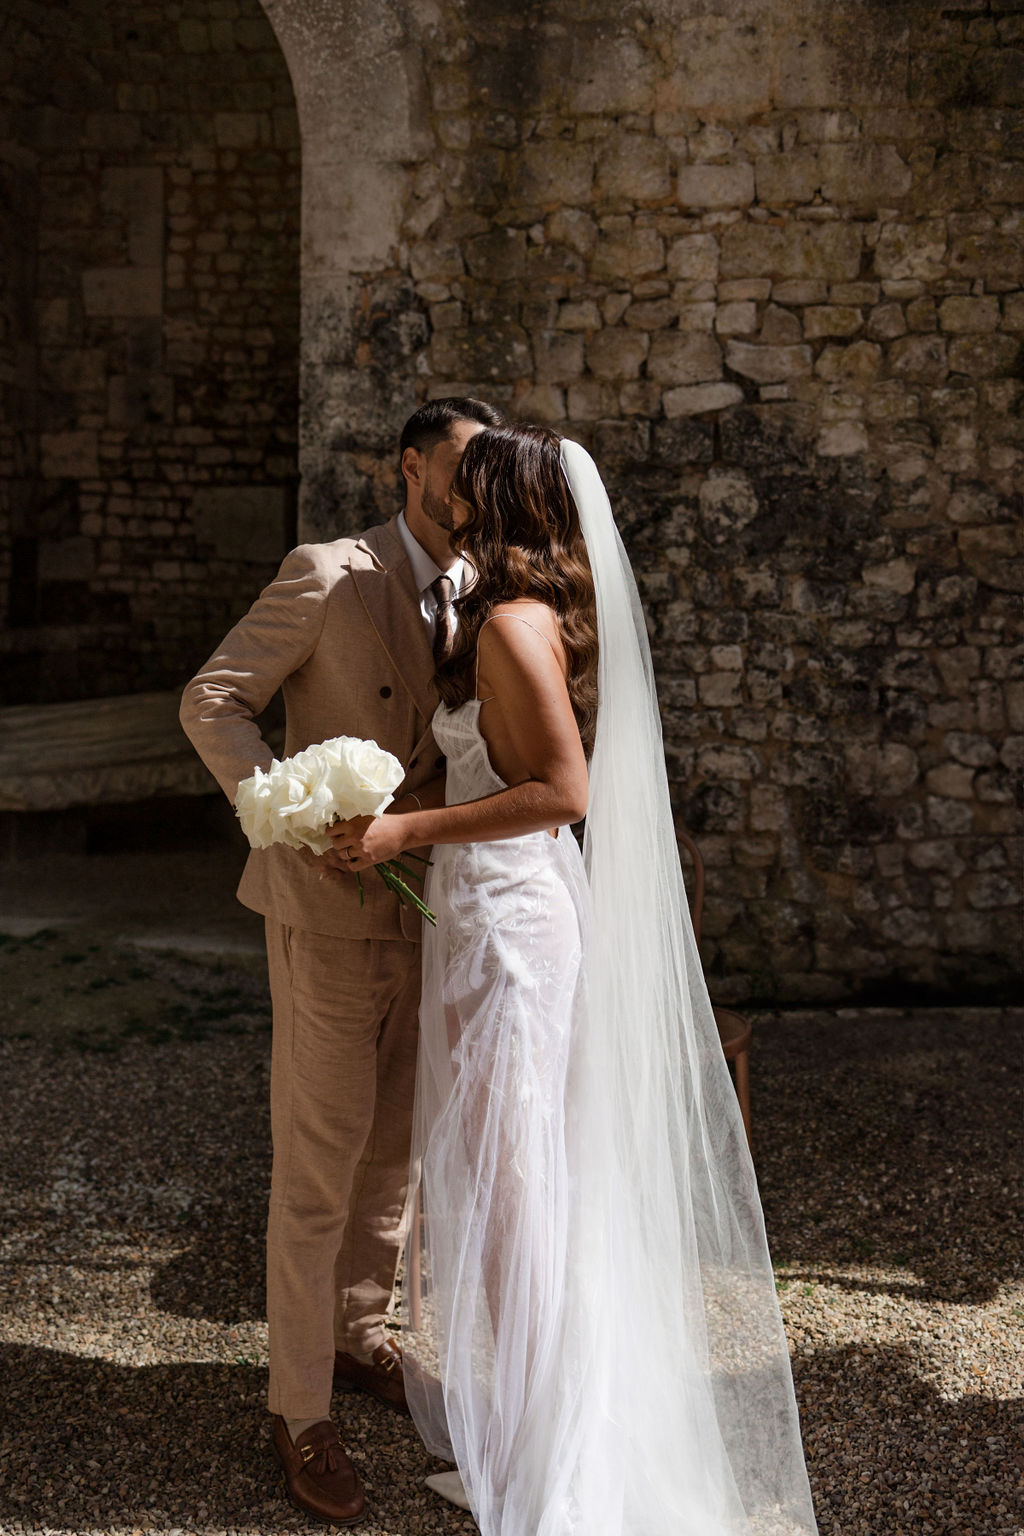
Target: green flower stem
pixel 391 872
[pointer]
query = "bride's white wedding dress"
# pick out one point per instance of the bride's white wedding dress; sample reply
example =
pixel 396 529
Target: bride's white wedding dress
pixel 504 1375
pixel 599 1346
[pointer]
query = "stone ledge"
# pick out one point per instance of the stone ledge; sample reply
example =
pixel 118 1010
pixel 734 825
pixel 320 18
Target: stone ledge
pixel 96 752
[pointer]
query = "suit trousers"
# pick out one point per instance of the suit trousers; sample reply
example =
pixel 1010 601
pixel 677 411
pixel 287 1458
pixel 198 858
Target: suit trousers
pixel 343 1070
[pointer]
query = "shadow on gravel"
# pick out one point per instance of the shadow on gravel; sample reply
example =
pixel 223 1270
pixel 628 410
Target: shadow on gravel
pixel 893 1141
pixel 87 1444
pixel 903 1449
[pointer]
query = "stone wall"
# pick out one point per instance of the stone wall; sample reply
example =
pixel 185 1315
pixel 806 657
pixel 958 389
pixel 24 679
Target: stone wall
pixel 768 261
pixel 149 478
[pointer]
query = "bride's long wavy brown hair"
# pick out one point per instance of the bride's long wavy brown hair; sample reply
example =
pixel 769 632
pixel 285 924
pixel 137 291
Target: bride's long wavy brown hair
pixel 523 536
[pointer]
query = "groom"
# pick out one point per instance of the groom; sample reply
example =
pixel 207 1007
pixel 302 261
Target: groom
pixel 351 631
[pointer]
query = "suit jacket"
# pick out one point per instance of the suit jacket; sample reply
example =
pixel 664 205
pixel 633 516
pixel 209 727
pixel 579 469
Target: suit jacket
pixel 339 630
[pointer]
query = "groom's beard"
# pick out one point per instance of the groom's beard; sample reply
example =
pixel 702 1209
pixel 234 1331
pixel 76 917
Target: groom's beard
pixel 437 510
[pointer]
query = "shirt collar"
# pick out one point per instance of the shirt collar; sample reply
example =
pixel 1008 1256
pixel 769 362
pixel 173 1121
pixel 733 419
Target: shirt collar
pixel 424 570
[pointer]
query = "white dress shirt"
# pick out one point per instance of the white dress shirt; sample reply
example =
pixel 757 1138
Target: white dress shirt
pixel 424 572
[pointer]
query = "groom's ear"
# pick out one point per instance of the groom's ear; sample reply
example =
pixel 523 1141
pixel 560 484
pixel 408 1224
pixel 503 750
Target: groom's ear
pixel 414 465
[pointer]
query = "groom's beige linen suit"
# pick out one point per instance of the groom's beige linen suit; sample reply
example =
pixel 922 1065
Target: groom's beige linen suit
pixel 341 632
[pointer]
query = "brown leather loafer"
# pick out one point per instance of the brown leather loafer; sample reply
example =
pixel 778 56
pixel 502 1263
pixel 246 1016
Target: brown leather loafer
pixel 320 1479
pixel 382 1378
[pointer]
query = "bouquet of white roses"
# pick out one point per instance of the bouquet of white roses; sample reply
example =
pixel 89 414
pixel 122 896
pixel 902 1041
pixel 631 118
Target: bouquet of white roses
pixel 294 800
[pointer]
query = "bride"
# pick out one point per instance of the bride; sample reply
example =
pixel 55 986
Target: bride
pixel 599 1347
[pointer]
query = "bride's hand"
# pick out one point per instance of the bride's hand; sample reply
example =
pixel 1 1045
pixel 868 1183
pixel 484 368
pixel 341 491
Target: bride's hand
pixel 367 840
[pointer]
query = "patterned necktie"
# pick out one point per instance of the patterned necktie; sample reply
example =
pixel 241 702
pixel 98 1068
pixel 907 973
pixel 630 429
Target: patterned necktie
pixel 443 589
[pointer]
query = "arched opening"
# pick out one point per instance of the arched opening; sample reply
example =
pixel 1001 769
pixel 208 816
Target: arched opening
pixel 148 339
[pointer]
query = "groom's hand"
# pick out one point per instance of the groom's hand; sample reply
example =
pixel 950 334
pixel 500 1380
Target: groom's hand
pixel 335 863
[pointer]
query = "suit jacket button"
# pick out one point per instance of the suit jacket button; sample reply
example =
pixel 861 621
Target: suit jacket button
pixel 385 692
pixel 439 762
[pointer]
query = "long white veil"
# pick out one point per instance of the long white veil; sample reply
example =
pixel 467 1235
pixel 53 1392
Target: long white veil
pixel 679 1254
pixel 659 1399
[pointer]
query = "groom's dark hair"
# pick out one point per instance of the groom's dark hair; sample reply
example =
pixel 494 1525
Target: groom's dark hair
pixel 433 422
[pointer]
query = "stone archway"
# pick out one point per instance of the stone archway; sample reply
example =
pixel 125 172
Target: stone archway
pixel 149 338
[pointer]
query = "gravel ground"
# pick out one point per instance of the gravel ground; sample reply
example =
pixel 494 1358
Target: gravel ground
pixel 134 1165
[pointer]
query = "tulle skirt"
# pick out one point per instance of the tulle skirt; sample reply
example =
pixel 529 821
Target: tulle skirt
pixel 576 1382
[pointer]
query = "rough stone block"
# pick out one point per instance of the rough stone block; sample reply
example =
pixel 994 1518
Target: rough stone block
pixel 831 320
pixel 558 358
pixel 966 314
pixel 1013 312
pixel 71 559
pixel 728 502
pixel 912 250
pixel 697 317
pixel 886 321
pixel 626 251
pixel 135 399
pixel 797 290
pixel 242 522
pixel 693 258
pixel 435 261
pixel 684 358
pixel 801 249
pixel 921 358
pixel 995 555
pixel 715 186
pixel 982 357
pixel 497 352
pixel 579 315
pixel 591 399
pixel 542 402
pixel 789 178
pixel 766 365
pixel 553 172
pixel 122 290
pixel 633 167
pixel 757 288
pixel 498 256
pixel 135 195
pixel 641 397
pixel 71 455
pixel 693 399
pixel 864 175
pixel 574 228
pixel 610 75
pixel 241 130
pixel 652 314
pixel 894 575
pixel 738 318
pixel 859 363
pixel 617 353
pixel 842 438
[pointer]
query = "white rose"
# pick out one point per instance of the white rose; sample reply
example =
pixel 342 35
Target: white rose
pixel 333 780
pixel 298 808
pixel 252 807
pixel 359 775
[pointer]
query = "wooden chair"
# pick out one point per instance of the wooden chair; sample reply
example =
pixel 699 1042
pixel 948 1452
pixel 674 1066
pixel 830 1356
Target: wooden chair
pixel 734 1031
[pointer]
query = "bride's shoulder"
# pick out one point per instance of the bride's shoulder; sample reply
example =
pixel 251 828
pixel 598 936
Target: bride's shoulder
pixel 530 615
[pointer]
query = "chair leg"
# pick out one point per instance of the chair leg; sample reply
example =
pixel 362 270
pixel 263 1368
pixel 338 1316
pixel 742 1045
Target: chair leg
pixel 742 1066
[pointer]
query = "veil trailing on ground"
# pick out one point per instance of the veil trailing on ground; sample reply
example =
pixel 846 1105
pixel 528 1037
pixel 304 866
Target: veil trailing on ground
pixel 635 1379
pixel 672 1226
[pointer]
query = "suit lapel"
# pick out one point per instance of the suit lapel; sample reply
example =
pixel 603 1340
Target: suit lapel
pixel 392 602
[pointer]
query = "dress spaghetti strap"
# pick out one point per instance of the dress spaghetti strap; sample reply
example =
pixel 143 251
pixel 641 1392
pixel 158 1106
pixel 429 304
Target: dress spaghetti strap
pixel 483 626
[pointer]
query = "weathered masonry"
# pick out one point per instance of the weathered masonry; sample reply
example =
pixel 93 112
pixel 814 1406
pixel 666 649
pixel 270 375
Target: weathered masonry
pixel 767 260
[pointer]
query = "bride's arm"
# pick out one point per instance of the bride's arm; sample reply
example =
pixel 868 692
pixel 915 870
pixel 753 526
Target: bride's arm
pixel 524 675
